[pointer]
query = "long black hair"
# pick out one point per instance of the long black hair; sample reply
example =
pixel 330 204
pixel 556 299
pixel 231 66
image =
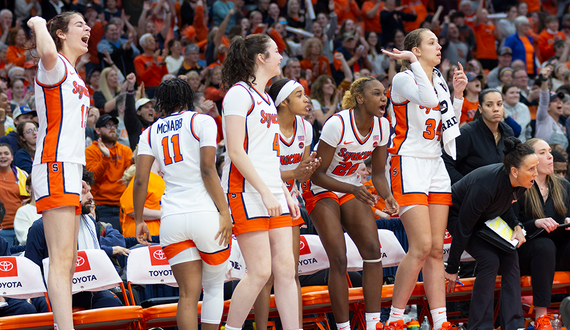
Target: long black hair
pixel 515 151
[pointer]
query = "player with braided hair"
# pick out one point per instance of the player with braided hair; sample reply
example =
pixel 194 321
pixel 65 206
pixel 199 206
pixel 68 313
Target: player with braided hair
pixel 195 232
pixel 337 200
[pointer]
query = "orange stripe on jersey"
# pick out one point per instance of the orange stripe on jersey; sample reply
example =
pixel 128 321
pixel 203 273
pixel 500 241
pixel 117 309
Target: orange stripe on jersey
pixel 54 115
pixel 345 198
pixel 294 133
pixel 401 130
pixel 236 181
pixel 58 83
pixel 440 198
pixel 290 184
pixel 172 250
pixel 342 122
pixel 192 127
pixel 266 98
pixel 216 258
pixel 355 129
pixel 403 199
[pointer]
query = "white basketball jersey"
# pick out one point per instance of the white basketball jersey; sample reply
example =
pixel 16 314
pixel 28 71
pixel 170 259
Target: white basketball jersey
pixel 292 149
pixel 261 142
pixel 62 114
pixel 352 149
pixel 175 142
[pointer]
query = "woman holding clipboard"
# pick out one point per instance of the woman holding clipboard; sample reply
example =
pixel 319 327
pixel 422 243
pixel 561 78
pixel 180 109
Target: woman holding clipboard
pixel 543 209
pixel 484 194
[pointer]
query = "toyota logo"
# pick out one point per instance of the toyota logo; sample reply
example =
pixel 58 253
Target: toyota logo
pixel 6 266
pixel 159 255
pixel 302 245
pixel 80 261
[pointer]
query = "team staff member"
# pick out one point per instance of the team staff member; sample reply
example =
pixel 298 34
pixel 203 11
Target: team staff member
pixel 337 200
pixel 484 194
pixel 194 235
pixel 544 207
pixel 297 165
pixel 257 196
pixel 423 116
pixel 62 103
pixel 482 141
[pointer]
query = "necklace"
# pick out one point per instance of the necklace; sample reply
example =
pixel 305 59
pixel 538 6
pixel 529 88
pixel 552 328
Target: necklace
pixel 496 135
pixel 544 191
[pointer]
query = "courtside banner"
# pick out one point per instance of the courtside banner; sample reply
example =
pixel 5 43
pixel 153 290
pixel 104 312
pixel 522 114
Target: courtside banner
pixel 312 255
pixel 447 246
pixel 236 265
pixel 20 278
pixel 390 248
pixel 94 271
pixel 149 265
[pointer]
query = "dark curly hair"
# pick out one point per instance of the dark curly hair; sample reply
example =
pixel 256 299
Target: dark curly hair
pixel 240 60
pixel 174 95
pixel 515 151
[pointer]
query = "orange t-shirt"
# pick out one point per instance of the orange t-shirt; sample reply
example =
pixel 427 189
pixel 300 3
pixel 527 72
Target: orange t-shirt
pixel 372 24
pixel 421 12
pixel 16 55
pixel 153 196
pixel 353 12
pixel 546 44
pixel 468 110
pixel 149 72
pixel 485 39
pixel 533 5
pixel 323 67
pixel 10 196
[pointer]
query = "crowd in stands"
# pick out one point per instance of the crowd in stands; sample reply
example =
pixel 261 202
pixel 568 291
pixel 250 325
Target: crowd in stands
pixel 521 48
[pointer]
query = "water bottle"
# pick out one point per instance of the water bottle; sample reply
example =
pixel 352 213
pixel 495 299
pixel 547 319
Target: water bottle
pixel 556 323
pixel 425 324
pixel 413 325
pixel 460 326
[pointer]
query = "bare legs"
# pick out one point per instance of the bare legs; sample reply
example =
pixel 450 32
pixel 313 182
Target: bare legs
pixel 189 278
pixel 61 227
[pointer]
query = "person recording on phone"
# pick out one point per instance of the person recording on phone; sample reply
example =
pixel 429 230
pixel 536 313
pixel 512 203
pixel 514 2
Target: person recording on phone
pixel 356 56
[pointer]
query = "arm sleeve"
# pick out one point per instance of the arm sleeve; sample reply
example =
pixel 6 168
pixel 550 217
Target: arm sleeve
pixel 332 130
pixel 463 143
pixel 474 204
pixel 514 125
pixel 99 100
pixel 457 105
pixel 112 238
pixel 542 112
pixel 331 31
pixel 207 130
pixel 23 160
pixel 416 88
pixel 132 122
pixel 95 161
pixel 237 102
pixel 385 126
pixel 510 217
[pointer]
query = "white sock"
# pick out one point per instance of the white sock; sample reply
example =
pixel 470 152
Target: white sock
pixel 438 315
pixel 231 328
pixel 371 320
pixel 396 314
pixel 343 326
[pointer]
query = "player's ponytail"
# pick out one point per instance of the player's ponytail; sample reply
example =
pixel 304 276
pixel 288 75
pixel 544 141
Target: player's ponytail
pixel 240 63
pixel 356 88
pixel 413 39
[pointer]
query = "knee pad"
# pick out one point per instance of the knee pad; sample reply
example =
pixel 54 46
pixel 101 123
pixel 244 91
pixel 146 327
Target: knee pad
pixel 373 260
pixel 213 277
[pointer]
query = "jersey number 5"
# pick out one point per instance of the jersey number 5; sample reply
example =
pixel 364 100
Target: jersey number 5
pixel 431 132
pixel 176 149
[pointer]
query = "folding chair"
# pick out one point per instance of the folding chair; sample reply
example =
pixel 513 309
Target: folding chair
pixel 95 272
pixel 21 278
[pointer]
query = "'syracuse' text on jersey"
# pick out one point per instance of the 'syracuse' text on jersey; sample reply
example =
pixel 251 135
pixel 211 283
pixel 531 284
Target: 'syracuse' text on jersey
pixel 62 114
pixel 292 149
pixel 416 112
pixel 175 141
pixel 352 149
pixel 261 142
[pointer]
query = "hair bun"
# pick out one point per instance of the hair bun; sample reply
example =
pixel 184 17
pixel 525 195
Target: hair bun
pixel 511 144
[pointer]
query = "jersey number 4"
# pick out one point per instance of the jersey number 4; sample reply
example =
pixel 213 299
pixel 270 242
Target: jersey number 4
pixel 176 149
pixel 431 132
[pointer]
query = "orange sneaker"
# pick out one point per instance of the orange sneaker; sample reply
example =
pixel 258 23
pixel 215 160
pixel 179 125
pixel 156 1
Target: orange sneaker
pixel 396 325
pixel 448 326
pixel 379 326
pixel 543 323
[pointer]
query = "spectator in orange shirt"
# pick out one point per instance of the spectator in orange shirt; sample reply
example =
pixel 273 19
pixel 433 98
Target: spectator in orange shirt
pixel 371 17
pixel 108 160
pixel 149 65
pixel 214 91
pixel 471 98
pixel 314 60
pixel 485 36
pixel 16 53
pixel 347 9
pixel 548 37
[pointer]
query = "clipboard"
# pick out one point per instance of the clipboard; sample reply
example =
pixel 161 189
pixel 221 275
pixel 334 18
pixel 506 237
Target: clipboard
pixel 538 232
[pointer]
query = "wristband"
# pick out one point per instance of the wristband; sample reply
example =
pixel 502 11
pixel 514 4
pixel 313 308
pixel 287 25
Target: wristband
pixel 2 121
pixel 130 92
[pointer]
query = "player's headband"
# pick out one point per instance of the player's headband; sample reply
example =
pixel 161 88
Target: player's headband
pixel 285 91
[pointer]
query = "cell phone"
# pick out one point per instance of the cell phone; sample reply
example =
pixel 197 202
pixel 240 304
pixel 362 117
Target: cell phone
pixel 361 47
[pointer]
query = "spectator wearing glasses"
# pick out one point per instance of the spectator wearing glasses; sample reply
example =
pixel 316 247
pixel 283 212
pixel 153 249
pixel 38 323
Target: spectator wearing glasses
pixel 27 133
pixel 108 160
